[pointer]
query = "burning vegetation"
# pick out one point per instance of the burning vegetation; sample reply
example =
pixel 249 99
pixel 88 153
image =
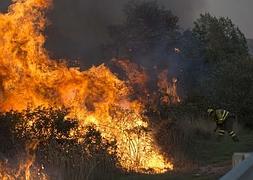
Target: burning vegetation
pixel 92 110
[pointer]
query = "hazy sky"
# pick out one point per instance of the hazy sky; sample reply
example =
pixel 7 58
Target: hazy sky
pixel 79 26
pixel 83 22
pixel 240 11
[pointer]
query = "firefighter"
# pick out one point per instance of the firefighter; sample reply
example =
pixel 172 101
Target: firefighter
pixel 224 122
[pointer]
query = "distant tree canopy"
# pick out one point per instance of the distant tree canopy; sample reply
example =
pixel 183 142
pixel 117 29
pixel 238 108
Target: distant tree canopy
pixel 148 28
pixel 213 65
pixel 219 39
pixel 227 79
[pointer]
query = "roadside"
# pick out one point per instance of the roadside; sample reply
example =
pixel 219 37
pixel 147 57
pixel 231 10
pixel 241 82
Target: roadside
pixel 212 161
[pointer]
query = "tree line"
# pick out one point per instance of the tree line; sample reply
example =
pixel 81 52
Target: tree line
pixel 214 66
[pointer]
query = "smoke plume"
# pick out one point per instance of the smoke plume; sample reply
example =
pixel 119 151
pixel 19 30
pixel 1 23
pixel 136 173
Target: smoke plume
pixel 78 28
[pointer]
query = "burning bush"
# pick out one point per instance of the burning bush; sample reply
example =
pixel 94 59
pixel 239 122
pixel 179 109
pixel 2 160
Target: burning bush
pixel 46 147
pixel 31 83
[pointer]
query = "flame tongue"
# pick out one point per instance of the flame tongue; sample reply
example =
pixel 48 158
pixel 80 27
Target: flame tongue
pixel 28 78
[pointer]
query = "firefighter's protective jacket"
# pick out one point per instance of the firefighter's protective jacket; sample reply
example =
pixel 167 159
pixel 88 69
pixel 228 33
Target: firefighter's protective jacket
pixel 220 115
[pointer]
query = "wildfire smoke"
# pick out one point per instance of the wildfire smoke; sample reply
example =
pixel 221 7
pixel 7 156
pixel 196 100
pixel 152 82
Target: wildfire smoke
pixel 30 79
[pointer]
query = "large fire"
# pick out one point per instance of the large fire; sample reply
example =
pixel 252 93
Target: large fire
pixel 29 78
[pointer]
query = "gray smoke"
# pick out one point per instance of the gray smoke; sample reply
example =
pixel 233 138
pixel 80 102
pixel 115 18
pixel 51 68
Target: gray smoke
pixel 4 5
pixel 239 11
pixel 79 27
pixel 187 11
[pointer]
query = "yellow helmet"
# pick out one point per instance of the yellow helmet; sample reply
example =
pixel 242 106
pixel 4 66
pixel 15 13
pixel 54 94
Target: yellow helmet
pixel 210 110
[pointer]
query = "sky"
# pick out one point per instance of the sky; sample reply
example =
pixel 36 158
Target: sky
pixel 79 27
pixel 240 11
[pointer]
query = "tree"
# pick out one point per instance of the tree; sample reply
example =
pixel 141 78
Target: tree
pixel 219 39
pixel 225 79
pixel 149 30
pixel 230 86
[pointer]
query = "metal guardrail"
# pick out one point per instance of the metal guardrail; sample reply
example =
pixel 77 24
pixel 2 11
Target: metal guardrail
pixel 242 167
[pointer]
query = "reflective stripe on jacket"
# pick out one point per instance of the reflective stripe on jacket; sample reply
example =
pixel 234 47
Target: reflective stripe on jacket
pixel 221 116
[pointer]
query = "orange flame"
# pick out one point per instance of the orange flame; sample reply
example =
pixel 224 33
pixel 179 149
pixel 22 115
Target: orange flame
pixel 29 78
pixel 24 171
pixel 168 90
